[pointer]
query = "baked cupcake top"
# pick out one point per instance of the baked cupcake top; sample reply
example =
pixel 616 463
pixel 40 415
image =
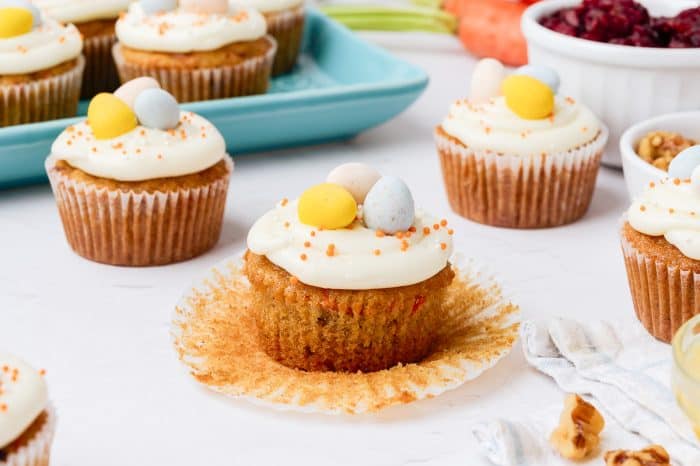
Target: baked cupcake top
pixel 184 30
pixel 23 396
pixel 671 207
pixel 519 114
pixel 31 42
pixel 139 133
pixel 81 11
pixel 358 231
pixel 267 6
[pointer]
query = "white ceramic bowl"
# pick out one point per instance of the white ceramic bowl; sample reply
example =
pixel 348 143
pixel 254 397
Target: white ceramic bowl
pixel 621 84
pixel 639 173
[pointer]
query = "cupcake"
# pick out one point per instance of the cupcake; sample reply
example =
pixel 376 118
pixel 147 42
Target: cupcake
pixel 40 66
pixel 337 287
pixel 198 50
pixel 140 182
pixel 517 155
pixel 27 421
pixel 285 22
pixel 95 20
pixel 661 247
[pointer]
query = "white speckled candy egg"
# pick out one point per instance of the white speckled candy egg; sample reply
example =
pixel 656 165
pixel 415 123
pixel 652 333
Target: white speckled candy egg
pixel 357 178
pixel 156 108
pixel 486 80
pixel 205 6
pixel 151 7
pixel 36 14
pixel 541 73
pixel 389 206
pixel 683 164
pixel 129 90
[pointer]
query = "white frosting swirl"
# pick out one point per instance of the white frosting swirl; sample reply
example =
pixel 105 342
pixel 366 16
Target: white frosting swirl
pixel 493 126
pixel 80 11
pixel 361 260
pixel 179 31
pixel 267 6
pixel 143 153
pixel 23 396
pixel 44 47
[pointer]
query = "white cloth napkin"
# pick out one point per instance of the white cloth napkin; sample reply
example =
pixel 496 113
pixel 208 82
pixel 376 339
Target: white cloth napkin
pixel 622 371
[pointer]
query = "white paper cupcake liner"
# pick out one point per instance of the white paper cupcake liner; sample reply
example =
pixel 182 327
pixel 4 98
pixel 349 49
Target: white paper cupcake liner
pixel 250 77
pixel 37 452
pixel 287 27
pixel 520 191
pixel 42 100
pixel 139 228
pixel 100 71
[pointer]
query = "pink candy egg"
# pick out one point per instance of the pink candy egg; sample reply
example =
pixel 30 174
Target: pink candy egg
pixel 205 6
pixel 130 90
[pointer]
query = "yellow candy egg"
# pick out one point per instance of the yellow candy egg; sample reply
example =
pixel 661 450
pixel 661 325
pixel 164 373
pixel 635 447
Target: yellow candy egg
pixel 527 97
pixel 109 116
pixel 327 206
pixel 15 21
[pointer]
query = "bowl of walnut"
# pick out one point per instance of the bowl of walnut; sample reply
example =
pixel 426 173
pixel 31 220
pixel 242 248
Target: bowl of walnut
pixel 648 147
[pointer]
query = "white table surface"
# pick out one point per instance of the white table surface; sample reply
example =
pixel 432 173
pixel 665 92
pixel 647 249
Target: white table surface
pixel 124 399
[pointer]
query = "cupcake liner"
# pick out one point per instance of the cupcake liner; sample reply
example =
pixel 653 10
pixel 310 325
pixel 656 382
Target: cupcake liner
pixel 42 100
pixel 664 295
pixel 247 78
pixel 517 191
pixel 214 334
pixel 100 71
pixel 287 27
pixel 139 228
pixel 37 451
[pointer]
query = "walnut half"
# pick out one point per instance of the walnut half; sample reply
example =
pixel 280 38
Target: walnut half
pixel 660 147
pixel 654 455
pixel 578 433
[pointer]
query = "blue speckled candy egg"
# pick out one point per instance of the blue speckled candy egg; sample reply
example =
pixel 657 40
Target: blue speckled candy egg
pixel 389 206
pixel 684 163
pixel 156 108
pixel 151 7
pixel 36 14
pixel 542 73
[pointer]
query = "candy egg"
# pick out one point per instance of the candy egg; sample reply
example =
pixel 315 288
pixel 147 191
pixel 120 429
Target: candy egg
pixel 357 178
pixel 156 108
pixel 486 80
pixel 389 206
pixel 683 164
pixel 327 206
pixel 109 117
pixel 205 6
pixel 151 7
pixel 543 73
pixel 527 97
pixel 36 14
pixel 15 22
pixel 129 90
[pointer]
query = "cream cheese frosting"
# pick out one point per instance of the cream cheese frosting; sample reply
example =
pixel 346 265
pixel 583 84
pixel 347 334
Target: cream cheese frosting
pixel 143 153
pixel 353 258
pixel 267 6
pixel 179 31
pixel 23 396
pixel 494 127
pixel 80 11
pixel 45 46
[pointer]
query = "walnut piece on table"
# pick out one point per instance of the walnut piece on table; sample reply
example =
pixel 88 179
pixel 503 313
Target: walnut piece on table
pixel 654 455
pixel 660 147
pixel 578 433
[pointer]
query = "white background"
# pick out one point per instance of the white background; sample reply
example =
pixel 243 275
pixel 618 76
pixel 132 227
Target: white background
pixel 124 399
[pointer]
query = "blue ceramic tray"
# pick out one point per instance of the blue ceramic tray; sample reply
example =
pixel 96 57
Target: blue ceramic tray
pixel 341 87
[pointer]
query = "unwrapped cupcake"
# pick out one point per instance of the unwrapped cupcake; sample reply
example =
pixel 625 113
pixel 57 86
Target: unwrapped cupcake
pixel 27 421
pixel 95 20
pixel 349 277
pixel 41 66
pixel 140 182
pixel 197 50
pixel 515 154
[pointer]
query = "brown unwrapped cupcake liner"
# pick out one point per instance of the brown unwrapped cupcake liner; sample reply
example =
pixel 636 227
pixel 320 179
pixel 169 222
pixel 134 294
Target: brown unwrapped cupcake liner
pixel 100 71
pixel 250 77
pixel 37 450
pixel 519 191
pixel 287 27
pixel 42 100
pixel 139 228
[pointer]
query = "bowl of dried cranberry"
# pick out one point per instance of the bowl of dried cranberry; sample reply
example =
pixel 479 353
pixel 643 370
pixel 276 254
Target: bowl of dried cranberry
pixel 627 61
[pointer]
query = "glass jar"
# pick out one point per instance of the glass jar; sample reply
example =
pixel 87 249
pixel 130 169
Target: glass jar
pixel 686 370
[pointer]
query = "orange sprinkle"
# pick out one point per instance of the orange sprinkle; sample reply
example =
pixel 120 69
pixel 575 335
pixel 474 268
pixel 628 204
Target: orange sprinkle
pixel 6 368
pixel 313 233
pixel 450 232
pixel 307 244
pixel 670 211
pixel 69 142
pixel 676 181
pixel 652 184
pixel 443 246
pixel 570 101
pixel 399 235
pixel 443 222
pixel 42 372
pixel 379 234
pixel 303 257
pixel 487 130
pixel 642 208
pixel 330 252
pixel 284 202
pixel 286 224
pixel 377 252
pixel 412 229
pixel 70 129
pixel 404 245
pixel 3 407
pixel 94 149
pixel 436 226
pixel 426 231
pixel 142 132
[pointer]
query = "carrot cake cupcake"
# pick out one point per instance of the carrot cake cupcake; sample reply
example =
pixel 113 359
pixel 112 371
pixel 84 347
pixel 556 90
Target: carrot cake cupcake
pixel 515 154
pixel 95 20
pixel 661 246
pixel 285 22
pixel 349 277
pixel 27 420
pixel 40 66
pixel 198 50
pixel 140 182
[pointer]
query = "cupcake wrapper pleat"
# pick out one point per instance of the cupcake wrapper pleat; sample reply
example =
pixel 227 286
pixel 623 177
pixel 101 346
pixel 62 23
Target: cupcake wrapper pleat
pixel 247 78
pixel 42 100
pixel 37 451
pixel 517 191
pixel 139 228
pixel 100 72
pixel 287 28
